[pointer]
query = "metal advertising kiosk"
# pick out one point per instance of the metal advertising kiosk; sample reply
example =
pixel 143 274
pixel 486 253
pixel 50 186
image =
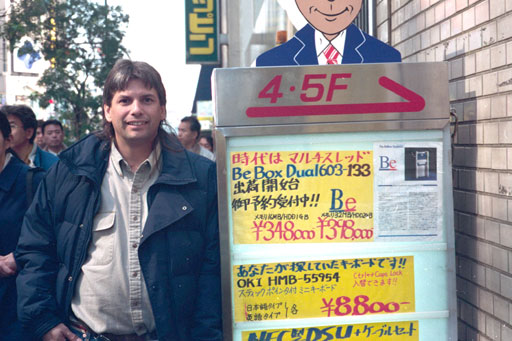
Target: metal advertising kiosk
pixel 335 202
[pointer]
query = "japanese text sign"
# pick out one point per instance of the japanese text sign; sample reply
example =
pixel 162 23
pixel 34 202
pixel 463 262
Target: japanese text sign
pixel 335 93
pixel 389 331
pixel 201 32
pixel 335 195
pixel 298 197
pixel 303 289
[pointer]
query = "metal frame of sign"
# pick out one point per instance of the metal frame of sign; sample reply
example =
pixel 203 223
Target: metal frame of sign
pixel 236 91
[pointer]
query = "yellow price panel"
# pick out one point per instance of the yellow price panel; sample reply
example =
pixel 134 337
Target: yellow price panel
pixel 387 331
pixel 302 197
pixel 327 288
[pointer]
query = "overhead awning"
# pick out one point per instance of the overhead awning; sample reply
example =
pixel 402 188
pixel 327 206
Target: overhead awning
pixel 204 86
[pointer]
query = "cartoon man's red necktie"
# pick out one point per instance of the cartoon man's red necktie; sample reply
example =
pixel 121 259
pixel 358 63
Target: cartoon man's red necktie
pixel 331 54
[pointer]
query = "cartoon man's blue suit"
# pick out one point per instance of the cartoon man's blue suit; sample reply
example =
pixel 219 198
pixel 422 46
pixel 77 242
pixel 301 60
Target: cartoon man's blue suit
pixel 300 50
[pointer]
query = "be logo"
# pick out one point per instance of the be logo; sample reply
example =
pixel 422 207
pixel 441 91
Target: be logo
pixel 386 164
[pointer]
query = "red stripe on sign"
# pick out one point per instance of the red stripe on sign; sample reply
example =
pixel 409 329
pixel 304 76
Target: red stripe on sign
pixel 414 103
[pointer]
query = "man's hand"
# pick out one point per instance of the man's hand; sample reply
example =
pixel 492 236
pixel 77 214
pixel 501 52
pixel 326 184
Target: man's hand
pixel 7 265
pixel 60 333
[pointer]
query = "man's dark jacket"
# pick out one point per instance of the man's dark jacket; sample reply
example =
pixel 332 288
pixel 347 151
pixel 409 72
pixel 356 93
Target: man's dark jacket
pixel 44 159
pixel 13 204
pixel 178 252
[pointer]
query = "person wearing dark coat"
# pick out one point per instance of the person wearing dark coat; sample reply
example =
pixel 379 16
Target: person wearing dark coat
pixel 122 239
pixel 15 186
pixel 23 129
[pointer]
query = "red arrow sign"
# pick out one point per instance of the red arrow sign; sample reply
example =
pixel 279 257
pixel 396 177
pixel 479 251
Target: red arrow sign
pixel 414 103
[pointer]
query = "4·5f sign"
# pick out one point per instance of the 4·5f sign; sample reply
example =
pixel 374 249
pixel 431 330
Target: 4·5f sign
pixel 331 93
pixel 201 32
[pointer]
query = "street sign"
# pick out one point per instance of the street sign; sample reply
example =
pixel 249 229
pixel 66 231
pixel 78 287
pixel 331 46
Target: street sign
pixel 335 202
pixel 411 101
pixel 202 41
pixel 334 93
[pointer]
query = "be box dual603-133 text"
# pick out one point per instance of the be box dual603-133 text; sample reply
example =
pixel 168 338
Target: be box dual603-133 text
pixel 335 196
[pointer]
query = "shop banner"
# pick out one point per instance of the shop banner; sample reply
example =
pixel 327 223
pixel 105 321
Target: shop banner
pixel 201 32
pixel 388 331
pixel 329 288
pixel 302 197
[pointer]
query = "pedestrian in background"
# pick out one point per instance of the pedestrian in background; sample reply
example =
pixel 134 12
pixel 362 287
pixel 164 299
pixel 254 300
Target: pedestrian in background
pixel 39 135
pixel 53 135
pixel 23 129
pixel 207 142
pixel 17 181
pixel 189 132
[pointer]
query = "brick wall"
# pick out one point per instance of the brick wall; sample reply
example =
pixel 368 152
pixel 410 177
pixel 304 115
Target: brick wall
pixel 475 37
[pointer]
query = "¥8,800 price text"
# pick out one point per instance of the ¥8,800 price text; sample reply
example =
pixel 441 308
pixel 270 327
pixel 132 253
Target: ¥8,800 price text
pixel 361 305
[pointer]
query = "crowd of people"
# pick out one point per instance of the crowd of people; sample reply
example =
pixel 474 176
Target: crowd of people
pixel 33 148
pixel 115 237
pixel 38 142
pixel 189 134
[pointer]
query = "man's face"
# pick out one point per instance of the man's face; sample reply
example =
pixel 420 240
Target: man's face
pixel 135 114
pixel 20 136
pixel 39 137
pixel 5 143
pixel 53 135
pixel 204 142
pixel 186 136
pixel 329 16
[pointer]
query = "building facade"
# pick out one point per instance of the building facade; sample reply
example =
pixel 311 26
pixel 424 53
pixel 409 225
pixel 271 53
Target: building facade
pixel 475 38
pixel 19 74
pixel 250 28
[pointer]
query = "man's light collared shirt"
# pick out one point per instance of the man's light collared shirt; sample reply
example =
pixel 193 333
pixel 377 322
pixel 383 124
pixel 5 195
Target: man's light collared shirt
pixel 111 296
pixel 61 148
pixel 321 43
pixel 32 156
pixel 6 161
pixel 198 149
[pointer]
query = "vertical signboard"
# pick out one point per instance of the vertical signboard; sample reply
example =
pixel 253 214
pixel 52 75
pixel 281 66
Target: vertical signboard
pixel 335 203
pixel 201 31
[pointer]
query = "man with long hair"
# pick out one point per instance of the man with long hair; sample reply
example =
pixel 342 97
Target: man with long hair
pixel 122 240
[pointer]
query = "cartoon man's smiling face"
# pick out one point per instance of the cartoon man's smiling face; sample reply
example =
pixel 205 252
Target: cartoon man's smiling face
pixel 329 16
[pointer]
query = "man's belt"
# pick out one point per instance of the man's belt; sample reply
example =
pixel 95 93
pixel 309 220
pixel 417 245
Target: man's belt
pixel 128 337
pixel 88 333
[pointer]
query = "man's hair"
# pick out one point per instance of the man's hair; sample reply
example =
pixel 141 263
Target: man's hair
pixel 122 73
pixel 51 121
pixel 208 138
pixel 5 127
pixel 25 115
pixel 40 124
pixel 193 124
pixel 125 71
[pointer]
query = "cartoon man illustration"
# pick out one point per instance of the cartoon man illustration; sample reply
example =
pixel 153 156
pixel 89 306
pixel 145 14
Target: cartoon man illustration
pixel 329 38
